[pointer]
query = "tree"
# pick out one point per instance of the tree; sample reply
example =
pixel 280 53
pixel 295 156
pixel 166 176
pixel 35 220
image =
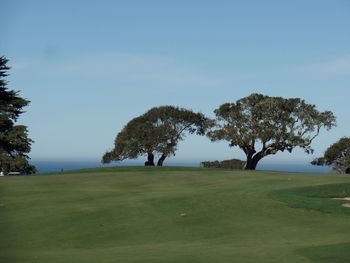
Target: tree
pixel 271 123
pixel 14 141
pixel 135 139
pixel 337 155
pixel 156 133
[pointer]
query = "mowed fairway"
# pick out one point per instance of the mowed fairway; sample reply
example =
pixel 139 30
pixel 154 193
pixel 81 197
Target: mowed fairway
pixel 137 214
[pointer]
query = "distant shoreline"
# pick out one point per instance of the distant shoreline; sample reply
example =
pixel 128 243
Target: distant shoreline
pixel 58 166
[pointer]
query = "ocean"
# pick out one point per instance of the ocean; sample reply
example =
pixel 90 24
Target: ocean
pixel 59 166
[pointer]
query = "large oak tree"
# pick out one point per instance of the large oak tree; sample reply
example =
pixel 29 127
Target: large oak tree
pixel 14 142
pixel 261 125
pixel 156 133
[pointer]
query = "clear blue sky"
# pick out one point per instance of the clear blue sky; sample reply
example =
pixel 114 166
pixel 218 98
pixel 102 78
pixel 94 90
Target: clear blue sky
pixel 90 66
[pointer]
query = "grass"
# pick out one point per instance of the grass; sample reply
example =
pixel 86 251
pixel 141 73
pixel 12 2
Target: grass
pixel 319 198
pixel 133 214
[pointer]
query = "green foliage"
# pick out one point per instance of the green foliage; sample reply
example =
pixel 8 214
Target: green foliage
pixel 14 141
pixel 276 123
pixel 337 155
pixel 226 164
pixel 157 132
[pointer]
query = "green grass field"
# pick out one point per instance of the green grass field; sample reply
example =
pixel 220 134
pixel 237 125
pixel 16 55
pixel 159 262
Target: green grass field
pixel 133 214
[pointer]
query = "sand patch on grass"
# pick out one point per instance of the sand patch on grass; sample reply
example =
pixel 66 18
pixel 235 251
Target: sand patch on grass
pixel 347 201
pixel 343 198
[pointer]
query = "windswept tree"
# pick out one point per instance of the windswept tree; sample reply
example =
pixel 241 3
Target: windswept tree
pixel 14 141
pixel 136 139
pixel 337 156
pixel 156 133
pixel 261 125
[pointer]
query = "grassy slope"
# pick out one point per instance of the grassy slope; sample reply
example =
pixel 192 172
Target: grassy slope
pixel 133 215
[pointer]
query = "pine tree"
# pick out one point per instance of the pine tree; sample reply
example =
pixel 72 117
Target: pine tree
pixel 14 141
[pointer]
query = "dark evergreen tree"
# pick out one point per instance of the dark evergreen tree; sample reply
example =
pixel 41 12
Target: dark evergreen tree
pixel 14 141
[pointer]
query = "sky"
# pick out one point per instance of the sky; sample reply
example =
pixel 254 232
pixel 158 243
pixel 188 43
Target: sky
pixel 88 67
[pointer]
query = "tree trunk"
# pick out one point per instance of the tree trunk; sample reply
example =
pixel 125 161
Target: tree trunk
pixel 161 160
pixel 250 165
pixel 252 162
pixel 150 159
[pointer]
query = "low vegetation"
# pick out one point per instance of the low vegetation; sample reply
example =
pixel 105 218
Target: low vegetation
pixel 226 164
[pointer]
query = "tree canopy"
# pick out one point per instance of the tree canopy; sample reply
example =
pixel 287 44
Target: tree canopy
pixel 14 141
pixel 337 155
pixel 156 133
pixel 261 125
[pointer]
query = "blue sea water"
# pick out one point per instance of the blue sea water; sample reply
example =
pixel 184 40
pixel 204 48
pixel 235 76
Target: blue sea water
pixel 58 166
pixel 294 167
